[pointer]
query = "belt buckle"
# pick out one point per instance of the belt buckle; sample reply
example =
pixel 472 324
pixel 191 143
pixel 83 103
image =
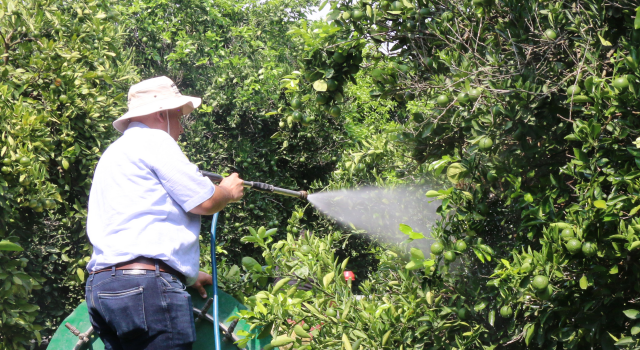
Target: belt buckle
pixel 134 272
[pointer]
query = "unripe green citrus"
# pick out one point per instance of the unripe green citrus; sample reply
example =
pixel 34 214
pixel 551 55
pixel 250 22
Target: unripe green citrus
pixel 461 245
pixel 485 143
pixel 437 248
pixel 321 99
pixel 621 83
pixel 540 282
pixel 24 161
pixel 574 246
pixel 449 256
pixel 331 312
pixel 332 85
pixel 49 203
pixel 443 100
pixel 474 94
pixel 357 15
pixel 526 268
pixel 409 96
pixel 297 116
pixel 338 57
pixel 396 6
pixel 463 98
pixel 483 208
pixel 296 104
pixel 335 111
pixel 573 90
pixel 506 311
pixel 589 249
pixel 567 234
pixel 492 176
pixel 471 233
pixel 305 249
pixel 462 313
pixel 550 34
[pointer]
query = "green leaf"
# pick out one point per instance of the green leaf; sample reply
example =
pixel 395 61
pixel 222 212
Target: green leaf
pixel 636 22
pixel 432 193
pixel 634 245
pixel 327 279
pixel 417 254
pixel 632 313
pixel 604 42
pixel 635 329
pixel 80 273
pixel 480 305
pixel 530 333
pixel 600 204
pixel 407 230
pixel 528 197
pixel 413 265
pixel 583 282
pixel 29 307
pixel 408 4
pixel 456 172
pixel 614 270
pixel 625 341
pixel 10 246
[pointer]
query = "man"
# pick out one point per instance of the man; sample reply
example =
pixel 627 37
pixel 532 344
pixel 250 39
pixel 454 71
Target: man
pixel 144 221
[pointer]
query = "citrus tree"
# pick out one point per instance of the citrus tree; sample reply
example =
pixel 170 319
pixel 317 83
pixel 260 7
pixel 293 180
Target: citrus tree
pixel 528 108
pixel 62 72
pixel 406 303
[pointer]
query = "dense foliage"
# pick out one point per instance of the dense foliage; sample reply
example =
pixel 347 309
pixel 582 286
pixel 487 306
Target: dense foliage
pixel 62 76
pixel 522 112
pixel 530 107
pixel 243 56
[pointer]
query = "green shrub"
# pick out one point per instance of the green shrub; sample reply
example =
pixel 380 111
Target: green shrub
pixel 406 303
pixel 531 108
pixel 63 73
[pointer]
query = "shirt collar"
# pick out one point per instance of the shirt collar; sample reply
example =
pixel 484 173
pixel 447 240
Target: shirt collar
pixel 136 125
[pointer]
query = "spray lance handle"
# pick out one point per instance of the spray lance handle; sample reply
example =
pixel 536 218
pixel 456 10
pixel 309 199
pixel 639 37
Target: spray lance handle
pixel 259 186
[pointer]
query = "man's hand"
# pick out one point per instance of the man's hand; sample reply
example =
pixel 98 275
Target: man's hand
pixel 233 183
pixel 229 190
pixel 204 279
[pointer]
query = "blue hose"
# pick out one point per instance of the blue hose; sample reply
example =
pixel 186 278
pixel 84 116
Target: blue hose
pixel 214 275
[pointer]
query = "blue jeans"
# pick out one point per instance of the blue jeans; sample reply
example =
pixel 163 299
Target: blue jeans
pixel 139 309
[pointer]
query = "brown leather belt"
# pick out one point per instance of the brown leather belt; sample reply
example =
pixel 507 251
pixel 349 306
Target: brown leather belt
pixel 143 263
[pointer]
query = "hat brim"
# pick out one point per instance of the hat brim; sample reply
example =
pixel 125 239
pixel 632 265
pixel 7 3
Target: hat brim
pixel 190 103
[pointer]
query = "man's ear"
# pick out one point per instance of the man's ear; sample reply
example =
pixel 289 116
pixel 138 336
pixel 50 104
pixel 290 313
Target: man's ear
pixel 159 117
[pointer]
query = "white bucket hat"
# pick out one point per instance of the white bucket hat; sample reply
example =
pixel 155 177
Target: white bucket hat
pixel 153 95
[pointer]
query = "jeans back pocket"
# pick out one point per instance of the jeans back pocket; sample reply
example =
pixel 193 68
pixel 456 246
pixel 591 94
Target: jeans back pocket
pixel 124 312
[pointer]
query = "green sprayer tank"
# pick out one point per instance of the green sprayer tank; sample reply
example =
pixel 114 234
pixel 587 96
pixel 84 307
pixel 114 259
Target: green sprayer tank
pixel 76 333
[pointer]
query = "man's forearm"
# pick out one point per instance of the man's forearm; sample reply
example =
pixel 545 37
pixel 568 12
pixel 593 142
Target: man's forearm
pixel 220 198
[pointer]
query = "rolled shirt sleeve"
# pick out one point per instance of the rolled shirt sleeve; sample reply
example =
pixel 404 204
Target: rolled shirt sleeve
pixel 181 179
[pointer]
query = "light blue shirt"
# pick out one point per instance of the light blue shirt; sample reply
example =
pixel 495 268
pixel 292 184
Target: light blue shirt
pixel 142 192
